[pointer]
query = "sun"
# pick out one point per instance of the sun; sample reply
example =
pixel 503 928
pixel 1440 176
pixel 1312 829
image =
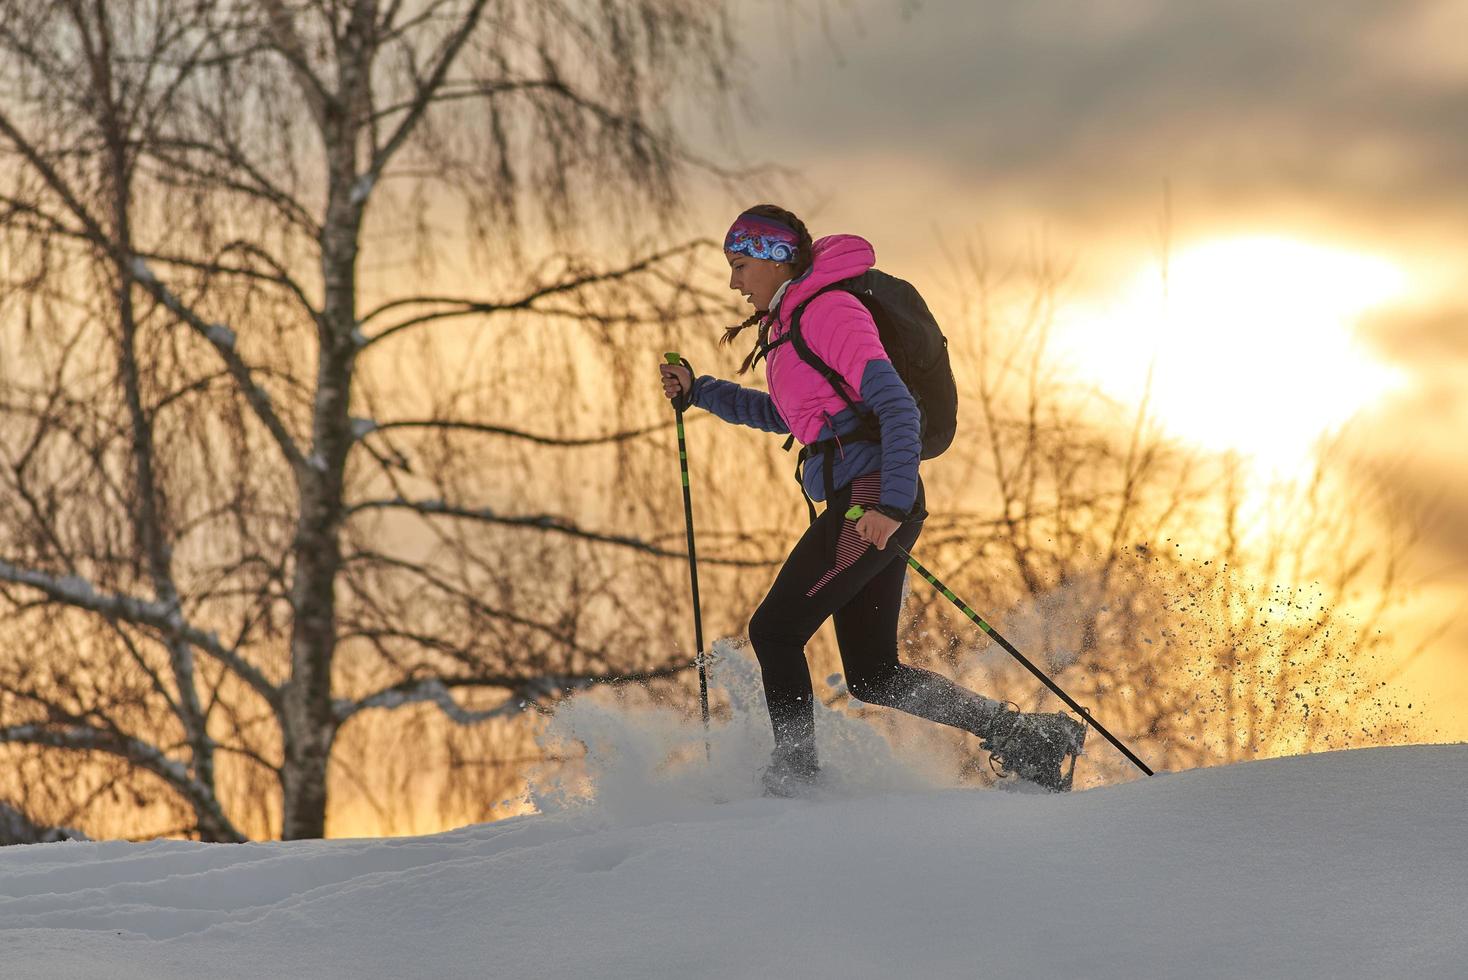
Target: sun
pixel 1251 343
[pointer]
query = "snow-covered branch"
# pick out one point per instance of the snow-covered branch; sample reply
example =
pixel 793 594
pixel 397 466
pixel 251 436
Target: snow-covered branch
pixel 87 738
pixel 79 594
pixel 223 340
pixel 434 690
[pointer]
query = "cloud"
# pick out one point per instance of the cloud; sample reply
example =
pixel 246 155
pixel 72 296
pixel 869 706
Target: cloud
pixel 1429 341
pixel 1411 447
pixel 1431 415
pixel 1355 103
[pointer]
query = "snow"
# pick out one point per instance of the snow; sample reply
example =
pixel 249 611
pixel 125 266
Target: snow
pixel 76 588
pixel 141 272
pixel 362 188
pixel 1341 864
pixel 220 335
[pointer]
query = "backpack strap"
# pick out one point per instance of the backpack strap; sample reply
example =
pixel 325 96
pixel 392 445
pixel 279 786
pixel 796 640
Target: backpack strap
pixel 797 340
pixel 866 432
pixel 810 505
pixel 763 349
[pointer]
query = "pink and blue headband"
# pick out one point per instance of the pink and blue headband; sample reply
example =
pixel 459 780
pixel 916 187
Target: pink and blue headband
pixel 762 238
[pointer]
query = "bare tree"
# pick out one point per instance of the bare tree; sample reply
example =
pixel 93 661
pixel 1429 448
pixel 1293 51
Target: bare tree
pixel 264 464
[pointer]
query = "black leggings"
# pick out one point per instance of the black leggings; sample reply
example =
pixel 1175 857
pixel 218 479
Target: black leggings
pixel 833 572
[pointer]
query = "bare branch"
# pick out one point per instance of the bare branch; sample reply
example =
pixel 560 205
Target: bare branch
pixel 473 602
pixel 441 61
pixel 259 186
pixel 524 692
pixel 277 274
pixel 540 440
pixel 545 522
pixel 287 42
pixel 468 307
pixel 220 337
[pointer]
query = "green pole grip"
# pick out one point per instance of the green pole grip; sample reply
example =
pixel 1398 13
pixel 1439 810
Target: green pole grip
pixel 854 514
pixel 675 358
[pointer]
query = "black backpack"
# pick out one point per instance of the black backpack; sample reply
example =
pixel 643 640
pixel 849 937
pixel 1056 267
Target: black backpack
pixel 917 347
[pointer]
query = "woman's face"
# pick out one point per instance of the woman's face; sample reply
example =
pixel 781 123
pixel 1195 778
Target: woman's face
pixel 757 279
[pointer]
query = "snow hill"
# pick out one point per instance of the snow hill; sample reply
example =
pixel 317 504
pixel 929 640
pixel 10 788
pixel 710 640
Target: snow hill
pixel 1348 864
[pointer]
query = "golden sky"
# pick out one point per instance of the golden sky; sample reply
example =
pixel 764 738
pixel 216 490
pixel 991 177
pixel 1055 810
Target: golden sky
pixel 1311 158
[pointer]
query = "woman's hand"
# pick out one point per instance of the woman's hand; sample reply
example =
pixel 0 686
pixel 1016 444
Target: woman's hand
pixel 876 528
pixel 677 380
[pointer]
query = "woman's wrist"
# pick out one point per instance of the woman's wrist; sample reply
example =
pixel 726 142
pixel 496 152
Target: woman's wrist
pixel 684 399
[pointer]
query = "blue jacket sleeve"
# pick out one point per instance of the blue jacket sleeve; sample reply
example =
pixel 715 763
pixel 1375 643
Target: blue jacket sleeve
pixel 883 391
pixel 738 404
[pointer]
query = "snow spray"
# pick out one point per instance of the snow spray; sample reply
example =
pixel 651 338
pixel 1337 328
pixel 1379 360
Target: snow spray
pixel 641 758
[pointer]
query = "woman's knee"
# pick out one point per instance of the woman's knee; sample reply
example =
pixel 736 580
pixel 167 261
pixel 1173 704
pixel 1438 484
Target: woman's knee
pixel 872 686
pixel 764 628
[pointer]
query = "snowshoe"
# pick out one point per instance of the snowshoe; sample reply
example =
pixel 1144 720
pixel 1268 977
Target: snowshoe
pixel 793 771
pixel 1040 748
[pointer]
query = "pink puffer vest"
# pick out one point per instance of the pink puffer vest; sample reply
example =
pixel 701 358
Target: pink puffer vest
pixel 838 329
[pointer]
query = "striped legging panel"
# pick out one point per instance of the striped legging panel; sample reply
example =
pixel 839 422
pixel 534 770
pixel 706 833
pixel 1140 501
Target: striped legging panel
pixel 866 491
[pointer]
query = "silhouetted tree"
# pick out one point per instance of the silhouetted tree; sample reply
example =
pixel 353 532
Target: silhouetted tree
pixel 254 481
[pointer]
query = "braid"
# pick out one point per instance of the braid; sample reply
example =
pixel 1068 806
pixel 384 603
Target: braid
pixel 731 332
pixel 802 262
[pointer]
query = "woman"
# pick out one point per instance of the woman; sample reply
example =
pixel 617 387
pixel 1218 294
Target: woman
pixel 844 568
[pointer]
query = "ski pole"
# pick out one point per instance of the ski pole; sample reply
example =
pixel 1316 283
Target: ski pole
pixel 855 514
pixel 703 679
